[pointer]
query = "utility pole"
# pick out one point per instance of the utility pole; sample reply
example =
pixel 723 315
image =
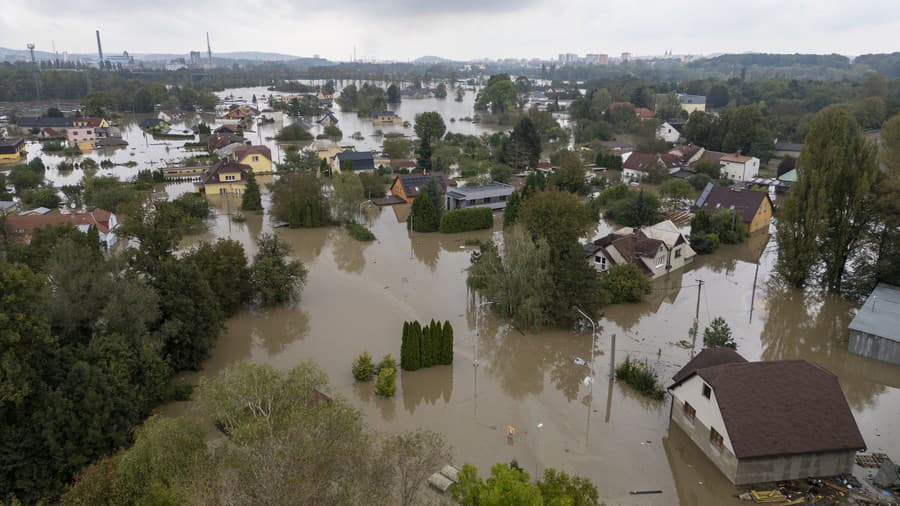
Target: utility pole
pixel 696 318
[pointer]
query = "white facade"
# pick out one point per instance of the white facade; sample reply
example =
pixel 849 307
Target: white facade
pixel 691 391
pixel 666 132
pixel 739 168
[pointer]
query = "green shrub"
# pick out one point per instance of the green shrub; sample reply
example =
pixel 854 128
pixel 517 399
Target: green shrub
pixel 388 362
pixel 363 368
pixel 641 377
pixel 359 232
pixel 625 283
pixel 386 383
pixel 293 132
pixel 464 220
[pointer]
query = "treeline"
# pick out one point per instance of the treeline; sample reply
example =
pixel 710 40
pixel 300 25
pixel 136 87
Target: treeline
pixel 90 342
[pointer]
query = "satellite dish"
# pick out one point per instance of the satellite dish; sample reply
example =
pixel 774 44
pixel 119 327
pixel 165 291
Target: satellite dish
pixel 72 205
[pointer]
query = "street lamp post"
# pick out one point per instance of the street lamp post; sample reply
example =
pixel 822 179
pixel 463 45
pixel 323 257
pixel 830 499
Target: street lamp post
pixel 593 337
pixel 477 333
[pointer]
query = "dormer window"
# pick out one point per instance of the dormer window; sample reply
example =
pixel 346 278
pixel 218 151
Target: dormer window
pixel 707 391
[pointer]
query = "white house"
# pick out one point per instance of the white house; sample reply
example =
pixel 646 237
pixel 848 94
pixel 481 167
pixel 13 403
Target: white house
pixel 668 133
pixel 655 250
pixel 765 421
pixel 106 223
pixel 737 167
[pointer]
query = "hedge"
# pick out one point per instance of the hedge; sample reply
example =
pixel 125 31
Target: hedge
pixel 464 220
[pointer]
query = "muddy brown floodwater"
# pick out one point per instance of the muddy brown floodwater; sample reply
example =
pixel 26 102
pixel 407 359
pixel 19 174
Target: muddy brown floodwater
pixel 359 294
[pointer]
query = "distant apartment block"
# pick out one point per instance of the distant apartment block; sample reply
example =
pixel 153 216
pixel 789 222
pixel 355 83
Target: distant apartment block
pixel 597 59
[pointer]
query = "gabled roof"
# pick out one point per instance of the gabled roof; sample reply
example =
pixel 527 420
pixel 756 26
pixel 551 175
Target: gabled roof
pixel 217 141
pixel 684 98
pixel 785 407
pixel 707 357
pixel 403 164
pixel 88 122
pixel 880 314
pixel 243 151
pixel 631 245
pixel 26 224
pixel 43 122
pixel 13 144
pixel 412 183
pixel 666 231
pixel 643 162
pixel 736 158
pixel 712 156
pixel 355 155
pixel 644 113
pixel 746 202
pixel 223 166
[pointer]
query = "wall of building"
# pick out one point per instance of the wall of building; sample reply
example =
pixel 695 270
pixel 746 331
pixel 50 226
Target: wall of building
pixel 872 346
pixel 261 164
pixel 689 108
pixel 233 188
pixel 762 219
pixel 691 391
pixel 794 467
pixel 722 458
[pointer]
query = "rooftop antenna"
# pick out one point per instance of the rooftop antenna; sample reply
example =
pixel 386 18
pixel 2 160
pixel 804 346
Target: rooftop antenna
pixel 30 47
pixel 99 49
pixel 208 49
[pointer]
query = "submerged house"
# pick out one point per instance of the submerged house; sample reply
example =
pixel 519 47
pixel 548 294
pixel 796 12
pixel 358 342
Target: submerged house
pixel 407 186
pixel 655 250
pixel 765 421
pixel 875 330
pixel 385 118
pixel 226 177
pixel 12 150
pixel 755 208
pixel 354 160
pixel 492 195
pixel 259 158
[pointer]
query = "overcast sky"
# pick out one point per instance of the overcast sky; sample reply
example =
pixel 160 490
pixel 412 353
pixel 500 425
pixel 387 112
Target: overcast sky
pixel 461 29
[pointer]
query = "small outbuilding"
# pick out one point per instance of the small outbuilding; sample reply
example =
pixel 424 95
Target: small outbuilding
pixel 875 330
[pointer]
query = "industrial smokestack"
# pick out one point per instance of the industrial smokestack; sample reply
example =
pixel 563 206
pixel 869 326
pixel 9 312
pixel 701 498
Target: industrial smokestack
pixel 99 48
pixel 208 49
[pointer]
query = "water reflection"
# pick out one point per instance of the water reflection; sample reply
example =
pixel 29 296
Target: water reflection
pixel 797 328
pixel 427 385
pixel 347 251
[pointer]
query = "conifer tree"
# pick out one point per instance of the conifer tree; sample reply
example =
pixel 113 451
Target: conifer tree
pixel 447 336
pixel 427 351
pixel 415 346
pixel 404 348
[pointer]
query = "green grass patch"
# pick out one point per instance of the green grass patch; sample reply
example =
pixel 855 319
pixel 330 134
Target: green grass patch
pixel 359 232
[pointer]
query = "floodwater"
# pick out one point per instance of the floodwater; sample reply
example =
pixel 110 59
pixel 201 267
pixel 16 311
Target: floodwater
pixel 150 153
pixel 359 294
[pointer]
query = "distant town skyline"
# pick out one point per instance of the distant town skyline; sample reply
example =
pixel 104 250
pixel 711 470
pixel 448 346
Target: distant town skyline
pixel 463 30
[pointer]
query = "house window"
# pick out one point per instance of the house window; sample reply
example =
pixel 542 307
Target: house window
pixel 707 392
pixel 689 412
pixel 601 261
pixel 660 261
pixel 715 438
pixel 229 178
pixel 678 253
pixel 255 158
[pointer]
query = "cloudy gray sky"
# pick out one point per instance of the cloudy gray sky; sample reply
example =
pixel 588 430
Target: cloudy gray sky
pixel 464 29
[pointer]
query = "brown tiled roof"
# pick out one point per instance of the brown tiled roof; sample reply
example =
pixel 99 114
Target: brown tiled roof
pixel 217 141
pixel 641 161
pixel 745 202
pixel 223 166
pixel 615 105
pixel 243 151
pixel 713 156
pixel 643 112
pixel 28 223
pixel 707 358
pixel 403 164
pixel 785 407
pixel 632 246
pixel 671 161
pixel 735 157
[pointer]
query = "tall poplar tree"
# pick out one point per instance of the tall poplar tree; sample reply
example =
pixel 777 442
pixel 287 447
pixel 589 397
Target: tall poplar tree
pixel 827 213
pixel 447 336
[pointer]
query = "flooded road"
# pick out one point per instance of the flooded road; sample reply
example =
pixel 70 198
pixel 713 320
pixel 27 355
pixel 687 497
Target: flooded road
pixel 359 294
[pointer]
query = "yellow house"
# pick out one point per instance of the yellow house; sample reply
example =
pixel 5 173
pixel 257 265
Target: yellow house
pixel 327 149
pixel 12 150
pixel 691 103
pixel 226 177
pixel 755 208
pixel 258 158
